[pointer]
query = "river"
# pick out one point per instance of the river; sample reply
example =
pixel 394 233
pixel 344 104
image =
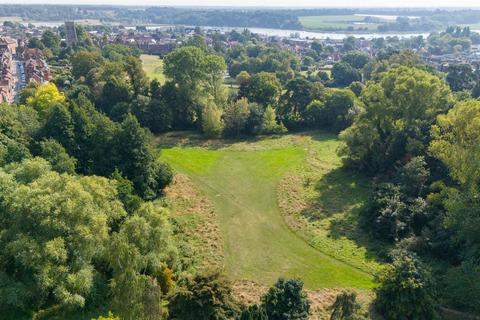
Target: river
pixel 280 32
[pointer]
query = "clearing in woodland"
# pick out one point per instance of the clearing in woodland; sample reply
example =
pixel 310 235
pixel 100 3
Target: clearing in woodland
pixel 243 180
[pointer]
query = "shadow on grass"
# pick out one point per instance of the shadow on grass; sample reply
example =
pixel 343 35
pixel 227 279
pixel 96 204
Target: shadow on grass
pixel 342 194
pixel 339 190
pixel 194 139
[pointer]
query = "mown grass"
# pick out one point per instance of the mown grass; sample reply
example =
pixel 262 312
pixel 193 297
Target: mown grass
pixel 243 181
pixel 153 67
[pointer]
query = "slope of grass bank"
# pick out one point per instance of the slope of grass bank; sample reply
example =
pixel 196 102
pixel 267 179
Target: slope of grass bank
pixel 243 181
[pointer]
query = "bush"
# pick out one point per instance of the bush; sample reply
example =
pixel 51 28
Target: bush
pixel 406 290
pixel 345 307
pixel 462 289
pixel 286 301
pixel 207 295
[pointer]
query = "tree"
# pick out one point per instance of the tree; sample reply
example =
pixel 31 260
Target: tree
pixel 345 307
pixel 59 126
pixel 455 144
pixel 235 117
pixel 406 290
pixel 51 41
pixel 159 116
pixel 44 259
pixel 196 77
pixel 135 158
pixel 55 154
pixel 269 122
pixel 212 124
pixel 286 301
pixel 295 101
pixel 344 74
pixel 138 78
pixel 461 77
pixel 340 109
pixel 356 59
pixel 137 255
pixel 114 91
pixel 264 88
pixel 84 61
pixel 208 295
pixel 44 98
pixel 398 113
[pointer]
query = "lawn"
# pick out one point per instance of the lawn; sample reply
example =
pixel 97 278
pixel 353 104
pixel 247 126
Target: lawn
pixel 336 22
pixel 153 67
pixel 244 182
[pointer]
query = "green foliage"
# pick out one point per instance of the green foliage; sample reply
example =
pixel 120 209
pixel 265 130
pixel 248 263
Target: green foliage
pixel 395 211
pixel 60 126
pixel 286 301
pixel 253 312
pixel 345 307
pixel 45 260
pixel 12 151
pixel 137 77
pixel 212 124
pixel 126 192
pixel 115 90
pixel 137 255
pixel 84 61
pixel 136 160
pixel 264 88
pixel 235 117
pixel 455 143
pixel 461 77
pixel 406 290
pixel 197 74
pixel 118 52
pixel 340 109
pixel 55 154
pixel 399 111
pixel 344 74
pixel 356 59
pixel 206 296
pixel 19 123
pixel 110 316
pixel 462 290
pixel 270 124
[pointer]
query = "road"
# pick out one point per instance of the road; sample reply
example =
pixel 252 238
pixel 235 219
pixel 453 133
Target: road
pixel 19 74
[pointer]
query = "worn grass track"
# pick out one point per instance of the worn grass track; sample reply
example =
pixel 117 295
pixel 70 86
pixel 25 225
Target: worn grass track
pixel 241 179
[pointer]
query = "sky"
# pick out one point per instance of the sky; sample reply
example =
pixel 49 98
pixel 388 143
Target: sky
pixel 268 3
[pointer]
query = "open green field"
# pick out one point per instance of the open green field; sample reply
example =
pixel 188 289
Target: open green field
pixel 243 181
pixel 336 22
pixel 153 67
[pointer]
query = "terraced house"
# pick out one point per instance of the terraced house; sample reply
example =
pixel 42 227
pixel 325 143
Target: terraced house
pixel 7 78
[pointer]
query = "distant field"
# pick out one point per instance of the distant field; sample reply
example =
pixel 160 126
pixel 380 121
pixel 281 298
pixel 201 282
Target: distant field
pixel 11 18
pixel 336 22
pixel 153 67
pixel 244 182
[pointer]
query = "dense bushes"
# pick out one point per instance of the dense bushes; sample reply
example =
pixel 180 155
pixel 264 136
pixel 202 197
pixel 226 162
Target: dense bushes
pixel 406 290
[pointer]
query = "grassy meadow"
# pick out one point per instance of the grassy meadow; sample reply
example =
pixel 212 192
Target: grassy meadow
pixel 245 181
pixel 153 67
